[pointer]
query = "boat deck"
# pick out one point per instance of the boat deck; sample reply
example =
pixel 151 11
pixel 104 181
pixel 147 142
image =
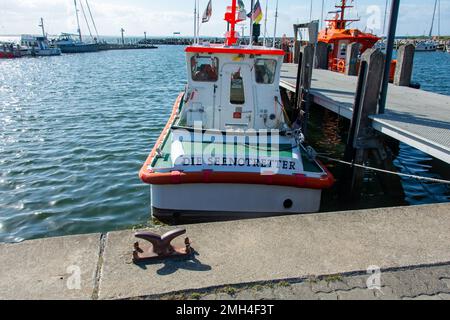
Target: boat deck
pixel 418 118
pixel 281 151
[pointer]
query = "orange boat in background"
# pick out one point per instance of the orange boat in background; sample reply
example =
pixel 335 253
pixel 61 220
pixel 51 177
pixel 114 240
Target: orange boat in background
pixel 338 36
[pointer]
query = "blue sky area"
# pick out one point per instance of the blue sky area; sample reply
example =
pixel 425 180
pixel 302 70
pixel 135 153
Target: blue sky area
pixel 163 17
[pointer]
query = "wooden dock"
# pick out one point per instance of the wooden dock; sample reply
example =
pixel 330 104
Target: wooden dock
pixel 418 118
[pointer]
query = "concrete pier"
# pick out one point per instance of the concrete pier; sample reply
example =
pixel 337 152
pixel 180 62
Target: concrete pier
pixel 287 248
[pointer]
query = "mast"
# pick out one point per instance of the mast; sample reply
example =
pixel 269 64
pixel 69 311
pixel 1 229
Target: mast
pixel 340 22
pixel 250 41
pixel 78 20
pixel 275 29
pixel 195 21
pixel 230 17
pixel 265 22
pixel 432 21
pixel 42 26
pixel 198 22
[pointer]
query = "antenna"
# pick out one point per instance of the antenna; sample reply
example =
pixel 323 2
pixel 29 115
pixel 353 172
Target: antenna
pixel 275 29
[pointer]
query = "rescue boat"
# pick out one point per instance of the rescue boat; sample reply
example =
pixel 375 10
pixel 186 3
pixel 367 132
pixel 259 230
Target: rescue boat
pixel 339 36
pixel 229 148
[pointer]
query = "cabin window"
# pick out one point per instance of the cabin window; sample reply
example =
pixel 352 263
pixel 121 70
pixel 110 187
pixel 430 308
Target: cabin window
pixel 237 94
pixel 265 71
pixel 343 49
pixel 204 69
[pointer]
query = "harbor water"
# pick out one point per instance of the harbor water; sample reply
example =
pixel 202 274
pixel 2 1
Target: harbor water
pixel 75 130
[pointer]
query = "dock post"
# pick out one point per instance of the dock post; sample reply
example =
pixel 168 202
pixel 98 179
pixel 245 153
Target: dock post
pixel 352 59
pixel 307 64
pixel 405 62
pixel 297 47
pixel 321 56
pixel 363 141
pixel 366 102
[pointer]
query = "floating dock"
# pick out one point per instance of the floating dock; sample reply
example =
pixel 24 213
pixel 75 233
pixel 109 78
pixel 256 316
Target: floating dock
pixel 418 118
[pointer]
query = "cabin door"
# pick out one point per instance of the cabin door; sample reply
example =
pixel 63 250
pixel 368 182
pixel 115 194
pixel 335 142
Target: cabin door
pixel 236 109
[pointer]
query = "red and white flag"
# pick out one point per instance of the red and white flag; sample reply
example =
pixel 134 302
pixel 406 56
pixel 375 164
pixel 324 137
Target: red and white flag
pixel 208 12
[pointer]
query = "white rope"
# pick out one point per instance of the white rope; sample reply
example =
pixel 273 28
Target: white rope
pixel 352 164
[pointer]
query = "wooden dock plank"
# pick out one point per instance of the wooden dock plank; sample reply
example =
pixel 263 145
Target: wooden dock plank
pixel 418 118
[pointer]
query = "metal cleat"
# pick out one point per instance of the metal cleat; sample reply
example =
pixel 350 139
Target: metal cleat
pixel 160 247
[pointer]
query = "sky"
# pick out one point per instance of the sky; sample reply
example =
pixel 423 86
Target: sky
pixel 164 17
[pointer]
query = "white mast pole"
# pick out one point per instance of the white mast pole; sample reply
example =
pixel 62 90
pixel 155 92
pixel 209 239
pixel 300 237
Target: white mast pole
pixel 78 19
pixel 265 22
pixel 195 21
pixel 321 16
pixel 198 23
pixel 275 29
pixel 310 11
pixel 250 41
pixel 42 26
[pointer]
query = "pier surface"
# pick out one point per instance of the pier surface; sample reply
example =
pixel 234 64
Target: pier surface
pixel 418 118
pixel 409 244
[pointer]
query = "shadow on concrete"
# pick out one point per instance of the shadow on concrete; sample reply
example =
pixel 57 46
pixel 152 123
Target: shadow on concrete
pixel 171 266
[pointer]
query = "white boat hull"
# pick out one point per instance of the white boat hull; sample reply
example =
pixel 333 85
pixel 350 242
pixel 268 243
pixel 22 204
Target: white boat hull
pixel 205 200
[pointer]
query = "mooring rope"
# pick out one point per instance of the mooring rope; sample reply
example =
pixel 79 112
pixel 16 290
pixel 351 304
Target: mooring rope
pixel 352 164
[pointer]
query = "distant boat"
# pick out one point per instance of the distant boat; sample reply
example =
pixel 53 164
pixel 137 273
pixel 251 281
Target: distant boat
pixel 9 51
pixel 426 46
pixel 38 46
pixel 68 43
pixel 448 48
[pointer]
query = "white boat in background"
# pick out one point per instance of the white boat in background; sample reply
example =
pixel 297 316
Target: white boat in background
pixel 426 46
pixel 448 47
pixel 38 46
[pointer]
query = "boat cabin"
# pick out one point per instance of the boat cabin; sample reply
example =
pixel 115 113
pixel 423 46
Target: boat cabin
pixel 233 88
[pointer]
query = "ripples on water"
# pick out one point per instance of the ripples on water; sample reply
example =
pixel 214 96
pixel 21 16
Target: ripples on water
pixel 75 130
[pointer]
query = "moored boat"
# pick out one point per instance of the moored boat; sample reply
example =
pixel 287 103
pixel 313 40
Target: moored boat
pixel 70 43
pixel 229 147
pixel 426 46
pixel 9 51
pixel 38 46
pixel 339 36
